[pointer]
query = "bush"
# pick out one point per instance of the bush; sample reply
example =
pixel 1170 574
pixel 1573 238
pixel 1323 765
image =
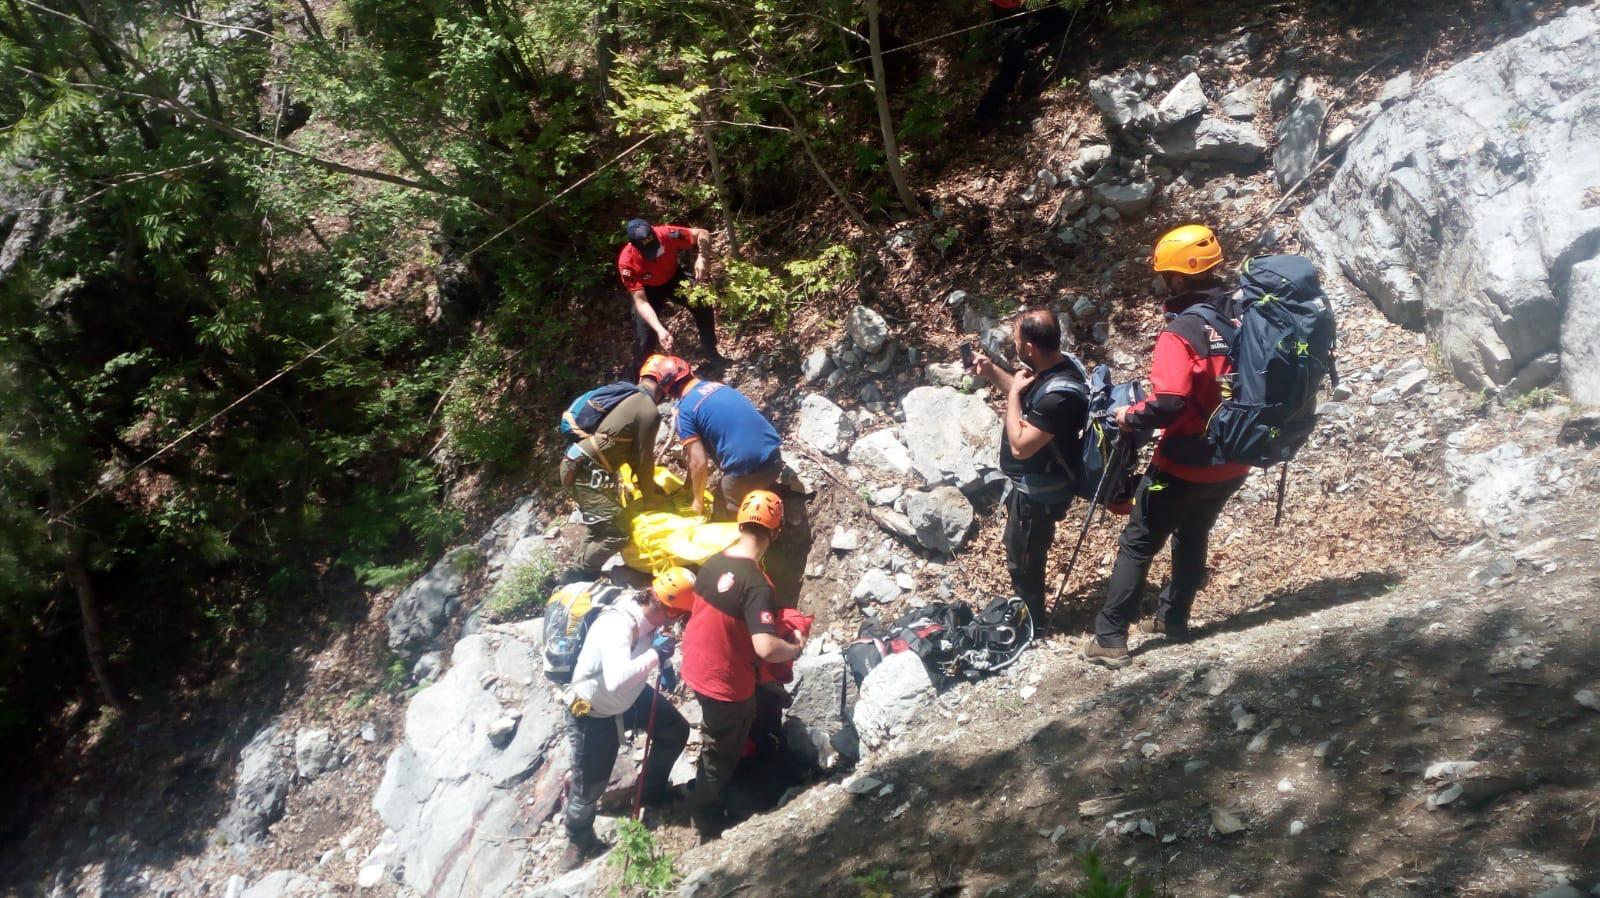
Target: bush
pixel 522 590
pixel 643 864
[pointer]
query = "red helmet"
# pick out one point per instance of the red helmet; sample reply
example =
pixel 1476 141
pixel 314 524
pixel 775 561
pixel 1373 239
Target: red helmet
pixel 669 371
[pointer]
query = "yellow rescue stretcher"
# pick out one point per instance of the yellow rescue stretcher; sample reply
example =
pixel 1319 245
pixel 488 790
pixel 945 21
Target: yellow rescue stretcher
pixel 673 537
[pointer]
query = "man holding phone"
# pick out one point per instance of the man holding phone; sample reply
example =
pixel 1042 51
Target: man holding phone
pixel 1046 408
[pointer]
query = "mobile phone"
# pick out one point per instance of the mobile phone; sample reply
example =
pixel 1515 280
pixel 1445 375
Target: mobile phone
pixel 966 355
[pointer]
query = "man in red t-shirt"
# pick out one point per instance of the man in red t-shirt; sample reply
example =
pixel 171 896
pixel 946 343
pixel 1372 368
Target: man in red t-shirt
pixel 735 626
pixel 1183 492
pixel 648 266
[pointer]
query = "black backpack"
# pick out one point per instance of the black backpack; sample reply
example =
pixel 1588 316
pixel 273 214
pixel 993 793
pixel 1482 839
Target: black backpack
pixel 1102 474
pixel 586 412
pixel 995 638
pixel 1281 348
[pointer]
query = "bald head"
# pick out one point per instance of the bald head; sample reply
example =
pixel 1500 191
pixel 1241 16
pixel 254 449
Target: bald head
pixel 1039 328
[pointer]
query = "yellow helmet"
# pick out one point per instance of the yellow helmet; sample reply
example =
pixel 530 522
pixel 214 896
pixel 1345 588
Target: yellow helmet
pixel 1189 249
pixel 674 588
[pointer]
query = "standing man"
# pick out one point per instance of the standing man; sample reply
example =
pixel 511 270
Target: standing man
pixel 1176 498
pixel 1047 404
pixel 1021 31
pixel 734 627
pixel 627 433
pixel 717 423
pixel 609 693
pixel 648 265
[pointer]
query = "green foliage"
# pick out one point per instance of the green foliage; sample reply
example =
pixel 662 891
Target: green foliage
pixel 522 590
pixel 395 674
pixel 1539 397
pixel 875 883
pixel 1102 883
pixel 751 291
pixel 1137 13
pixel 643 864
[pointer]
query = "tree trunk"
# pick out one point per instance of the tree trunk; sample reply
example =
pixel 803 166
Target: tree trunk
pixel 76 567
pixel 880 89
pixel 838 192
pixel 718 182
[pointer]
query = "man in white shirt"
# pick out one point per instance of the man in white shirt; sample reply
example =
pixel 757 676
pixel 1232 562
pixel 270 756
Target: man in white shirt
pixel 609 684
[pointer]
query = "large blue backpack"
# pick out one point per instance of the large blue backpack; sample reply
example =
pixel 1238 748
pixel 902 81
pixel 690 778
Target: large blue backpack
pixel 1281 349
pixel 586 412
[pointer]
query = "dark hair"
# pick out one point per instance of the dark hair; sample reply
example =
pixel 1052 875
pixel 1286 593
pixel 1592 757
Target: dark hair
pixel 1040 328
pixel 1201 280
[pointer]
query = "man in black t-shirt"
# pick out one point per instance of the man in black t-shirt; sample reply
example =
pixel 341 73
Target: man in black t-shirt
pixel 1043 439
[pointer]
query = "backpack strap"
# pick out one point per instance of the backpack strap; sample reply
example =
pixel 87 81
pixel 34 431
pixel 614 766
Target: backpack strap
pixel 1062 382
pixel 1210 315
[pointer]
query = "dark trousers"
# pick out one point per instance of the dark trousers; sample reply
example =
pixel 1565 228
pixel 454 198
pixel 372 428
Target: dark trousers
pixel 595 741
pixel 1030 529
pixel 724 727
pixel 644 337
pixel 1019 37
pixel 1163 506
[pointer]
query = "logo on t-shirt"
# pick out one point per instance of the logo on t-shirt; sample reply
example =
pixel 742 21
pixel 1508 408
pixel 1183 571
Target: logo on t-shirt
pixel 725 582
pixel 766 618
pixel 627 272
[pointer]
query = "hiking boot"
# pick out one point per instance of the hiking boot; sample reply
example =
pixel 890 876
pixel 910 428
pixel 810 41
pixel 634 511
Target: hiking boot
pixel 578 852
pixel 1155 626
pixel 1106 656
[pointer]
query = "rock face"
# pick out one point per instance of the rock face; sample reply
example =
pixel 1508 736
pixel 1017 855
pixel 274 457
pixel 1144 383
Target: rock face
pixel 258 792
pixel 823 425
pixel 456 802
pixel 314 753
pixel 1469 209
pixel 953 437
pixel 883 452
pixel 868 330
pixel 423 611
pixel 891 696
pixel 1212 140
pixel 814 692
pixel 942 518
pixel 1299 139
pixel 287 884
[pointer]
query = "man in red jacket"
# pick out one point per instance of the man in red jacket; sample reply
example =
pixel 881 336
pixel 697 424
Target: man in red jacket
pixel 648 267
pixel 1183 492
pixel 735 628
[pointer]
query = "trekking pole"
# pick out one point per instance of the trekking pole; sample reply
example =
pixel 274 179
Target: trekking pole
pixel 1094 506
pixel 1283 483
pixel 649 734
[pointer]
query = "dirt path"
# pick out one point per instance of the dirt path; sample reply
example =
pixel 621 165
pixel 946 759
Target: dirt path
pixel 1346 692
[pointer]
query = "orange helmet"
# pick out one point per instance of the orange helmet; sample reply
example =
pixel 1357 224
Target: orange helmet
pixel 669 371
pixel 762 507
pixel 1189 249
pixel 674 588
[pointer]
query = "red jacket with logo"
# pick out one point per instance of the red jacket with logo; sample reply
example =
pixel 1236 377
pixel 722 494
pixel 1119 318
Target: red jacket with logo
pixel 637 272
pixel 1187 371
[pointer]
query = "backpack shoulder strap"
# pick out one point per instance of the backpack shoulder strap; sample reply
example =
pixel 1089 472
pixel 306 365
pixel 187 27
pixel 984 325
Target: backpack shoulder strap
pixel 1204 313
pixel 1063 382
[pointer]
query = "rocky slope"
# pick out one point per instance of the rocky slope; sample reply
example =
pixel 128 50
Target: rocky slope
pixel 1430 599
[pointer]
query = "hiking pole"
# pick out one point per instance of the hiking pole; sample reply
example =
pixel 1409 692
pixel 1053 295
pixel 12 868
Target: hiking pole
pixel 649 734
pixel 1283 483
pixel 1088 518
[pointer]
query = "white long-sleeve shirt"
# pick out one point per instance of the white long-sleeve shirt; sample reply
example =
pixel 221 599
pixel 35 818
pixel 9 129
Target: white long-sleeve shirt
pixel 616 659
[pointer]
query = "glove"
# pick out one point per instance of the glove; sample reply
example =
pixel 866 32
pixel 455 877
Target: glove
pixel 664 645
pixel 668 679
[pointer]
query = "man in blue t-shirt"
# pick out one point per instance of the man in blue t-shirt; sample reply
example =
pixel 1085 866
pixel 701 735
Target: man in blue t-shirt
pixel 716 423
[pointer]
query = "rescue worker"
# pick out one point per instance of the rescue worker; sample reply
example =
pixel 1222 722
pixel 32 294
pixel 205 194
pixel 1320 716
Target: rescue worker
pixel 1045 416
pixel 609 693
pixel 736 625
pixel 1021 31
pixel 1181 493
pixel 718 424
pixel 648 266
pixel 589 469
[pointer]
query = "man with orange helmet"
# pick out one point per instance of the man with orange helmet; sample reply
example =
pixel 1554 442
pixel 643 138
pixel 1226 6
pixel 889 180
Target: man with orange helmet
pixel 609 693
pixel 717 423
pixel 734 628
pixel 627 433
pixel 1177 498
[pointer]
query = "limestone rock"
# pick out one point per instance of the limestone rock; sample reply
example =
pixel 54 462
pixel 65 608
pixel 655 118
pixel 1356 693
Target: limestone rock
pixel 1426 186
pixel 314 753
pixel 815 691
pixel 868 330
pixel 259 790
pixel 875 587
pixel 824 426
pixel 942 518
pixel 1299 141
pixel 817 365
pixel 1213 140
pixel 1240 103
pixel 883 452
pixel 288 884
pixel 1130 200
pixel 953 437
pixel 447 791
pixel 423 611
pixel 1121 100
pixel 1187 99
pixel 891 696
